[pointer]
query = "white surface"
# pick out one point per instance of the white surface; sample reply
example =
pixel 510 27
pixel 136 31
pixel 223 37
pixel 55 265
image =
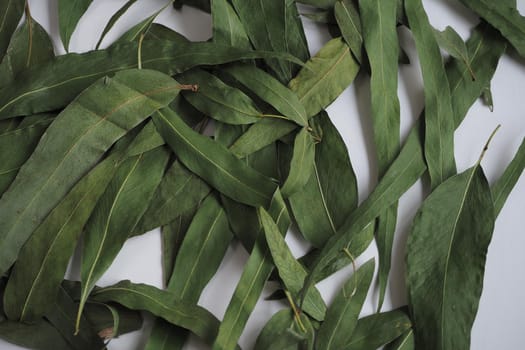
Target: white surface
pixel 499 324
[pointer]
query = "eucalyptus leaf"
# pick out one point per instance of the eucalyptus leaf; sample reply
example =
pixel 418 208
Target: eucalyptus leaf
pixel 404 342
pixel 12 11
pixel 348 20
pixel 227 27
pixel 283 332
pixel 450 41
pixel 114 19
pixel 39 335
pixel 69 13
pixel 302 163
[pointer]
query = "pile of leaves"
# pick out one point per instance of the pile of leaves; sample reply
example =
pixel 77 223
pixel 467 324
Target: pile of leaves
pixel 106 145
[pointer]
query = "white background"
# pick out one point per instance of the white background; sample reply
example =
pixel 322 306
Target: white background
pixel 499 324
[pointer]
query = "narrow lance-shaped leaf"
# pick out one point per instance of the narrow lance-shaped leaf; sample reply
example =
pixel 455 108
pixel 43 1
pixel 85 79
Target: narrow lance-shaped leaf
pixel 198 260
pixel 92 127
pixel 218 100
pixel 446 253
pixel 271 91
pixel 380 35
pixel 215 164
pixel 114 19
pixel 42 263
pixel 379 329
pixel 503 17
pixel 341 317
pixel 451 42
pixel 227 27
pixel 290 270
pixel 439 121
pixel 330 194
pixel 11 12
pixel 349 23
pixel 325 76
pixel 67 75
pixel 285 331
pixel 508 180
pixel 254 276
pixel 161 304
pixel 117 213
pixel 302 163
pixel 69 13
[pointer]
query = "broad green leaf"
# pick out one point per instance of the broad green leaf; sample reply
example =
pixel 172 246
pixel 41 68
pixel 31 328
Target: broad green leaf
pixel 502 188
pixel 261 135
pixel 39 335
pixel 302 163
pixel 179 191
pixel 24 140
pixel 504 18
pixel 117 213
pixel 283 332
pixel 62 316
pixel 271 91
pixel 451 42
pixel 29 46
pixel 330 194
pixel 379 329
pixel 291 272
pixel 67 75
pixel 325 76
pixel 349 23
pixel 69 13
pixel 42 263
pixel 114 19
pixel 380 36
pixel 161 304
pixel 214 163
pixel 341 317
pixel 227 27
pixel 218 100
pixel 94 121
pixel 446 252
pixel 198 260
pixel 404 342
pixel 255 273
pixel 11 12
pixel 439 120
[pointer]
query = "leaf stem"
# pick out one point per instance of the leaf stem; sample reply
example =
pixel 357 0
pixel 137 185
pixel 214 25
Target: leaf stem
pixel 488 143
pixel 296 311
pixel 139 51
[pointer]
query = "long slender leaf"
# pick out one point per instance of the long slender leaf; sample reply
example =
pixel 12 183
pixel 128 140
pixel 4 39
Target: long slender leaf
pixel 11 12
pixel 122 103
pixel 69 13
pixel 114 19
pixel 302 163
pixel 220 168
pixel 227 27
pixel 348 20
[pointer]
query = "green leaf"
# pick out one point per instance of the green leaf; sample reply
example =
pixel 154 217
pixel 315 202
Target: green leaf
pixel 323 4
pixel 179 191
pixel 380 35
pixel 214 163
pixel 349 23
pixel 117 214
pixel 341 317
pixel 302 163
pixel 255 273
pixel 29 46
pixel 404 342
pixel 11 11
pixel 24 139
pixel 40 335
pixel 271 91
pixel 161 304
pixel 379 329
pixel 451 42
pixel 69 13
pixel 92 127
pixel 112 320
pixel 114 19
pixel 502 188
pixel 227 27
pixel 67 75
pixel 504 18
pixel 42 263
pixel 330 194
pixel 283 332
pixel 439 120
pixel 325 76
pixel 219 100
pixel 446 252
pixel 292 273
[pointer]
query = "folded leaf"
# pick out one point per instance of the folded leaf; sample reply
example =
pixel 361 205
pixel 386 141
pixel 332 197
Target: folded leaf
pixel 212 162
pixel 94 122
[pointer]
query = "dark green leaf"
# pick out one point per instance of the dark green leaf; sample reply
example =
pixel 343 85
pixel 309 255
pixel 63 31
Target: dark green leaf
pixel 302 163
pixel 348 20
pixel 121 103
pixel 69 13
pixel 104 318
pixel 214 163
pixel 227 27
pixel 404 342
pixel 283 332
pixel 114 19
pixel 40 335
pixel 11 11
pixel 341 317
pixel 451 42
